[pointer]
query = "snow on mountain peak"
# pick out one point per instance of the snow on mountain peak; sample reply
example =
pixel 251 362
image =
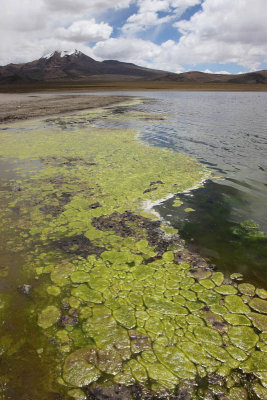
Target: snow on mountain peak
pixel 62 53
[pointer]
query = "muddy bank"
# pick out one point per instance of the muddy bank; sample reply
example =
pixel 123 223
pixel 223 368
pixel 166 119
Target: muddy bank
pixel 15 107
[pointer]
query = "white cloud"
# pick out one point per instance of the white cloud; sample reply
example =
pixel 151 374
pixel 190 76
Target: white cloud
pixel 153 5
pixel 21 16
pixel 225 31
pixel 148 16
pixel 29 28
pixel 180 6
pixel 208 71
pixel 85 31
pixel 125 49
pixel 143 21
pixel 142 52
pixel 166 5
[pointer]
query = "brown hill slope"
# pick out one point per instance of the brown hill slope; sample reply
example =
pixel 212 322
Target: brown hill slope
pixel 63 66
pixel 75 66
pixel 202 77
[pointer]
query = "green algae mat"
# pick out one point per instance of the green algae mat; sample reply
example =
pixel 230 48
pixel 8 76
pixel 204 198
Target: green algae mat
pixel 100 299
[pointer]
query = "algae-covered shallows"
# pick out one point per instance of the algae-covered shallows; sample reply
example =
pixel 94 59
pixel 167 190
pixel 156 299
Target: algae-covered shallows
pixel 112 292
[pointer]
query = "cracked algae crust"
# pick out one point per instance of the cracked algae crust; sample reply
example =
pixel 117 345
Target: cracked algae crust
pixel 118 309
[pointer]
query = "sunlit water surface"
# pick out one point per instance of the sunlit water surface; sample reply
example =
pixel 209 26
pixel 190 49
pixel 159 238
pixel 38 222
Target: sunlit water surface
pixel 226 131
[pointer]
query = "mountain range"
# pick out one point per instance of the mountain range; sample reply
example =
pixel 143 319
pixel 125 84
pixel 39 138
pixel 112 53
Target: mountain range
pixel 63 66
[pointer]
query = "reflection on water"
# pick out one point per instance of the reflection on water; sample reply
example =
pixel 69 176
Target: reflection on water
pixel 227 132
pixel 213 229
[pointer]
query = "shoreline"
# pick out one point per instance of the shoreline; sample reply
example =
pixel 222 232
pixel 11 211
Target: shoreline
pixel 22 106
pixel 149 206
pixel 21 103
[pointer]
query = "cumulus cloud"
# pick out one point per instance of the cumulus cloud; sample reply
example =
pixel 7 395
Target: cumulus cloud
pixel 143 21
pixel 148 13
pixel 22 16
pixel 221 31
pixel 125 49
pixel 225 31
pixel 85 31
pixel 30 28
pixel 138 51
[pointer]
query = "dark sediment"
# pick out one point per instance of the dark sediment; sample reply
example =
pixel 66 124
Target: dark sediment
pixel 130 224
pixel 79 245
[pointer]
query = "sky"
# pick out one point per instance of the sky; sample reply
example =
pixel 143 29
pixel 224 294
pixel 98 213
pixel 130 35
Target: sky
pixel 228 36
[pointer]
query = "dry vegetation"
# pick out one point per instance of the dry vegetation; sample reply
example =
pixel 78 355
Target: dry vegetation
pixel 136 85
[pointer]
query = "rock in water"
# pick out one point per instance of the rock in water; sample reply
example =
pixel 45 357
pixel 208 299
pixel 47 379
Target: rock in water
pixel 24 289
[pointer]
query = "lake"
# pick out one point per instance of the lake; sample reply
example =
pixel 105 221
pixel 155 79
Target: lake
pixel 107 298
pixel 228 133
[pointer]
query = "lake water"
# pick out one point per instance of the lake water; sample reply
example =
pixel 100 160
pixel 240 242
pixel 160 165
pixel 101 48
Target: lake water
pixel 227 131
pixel 46 163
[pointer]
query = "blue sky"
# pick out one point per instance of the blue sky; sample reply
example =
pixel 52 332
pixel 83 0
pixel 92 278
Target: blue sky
pixel 176 35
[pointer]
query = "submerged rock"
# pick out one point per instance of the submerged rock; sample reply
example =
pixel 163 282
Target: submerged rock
pixel 24 289
pixel 68 320
pixel 16 188
pixel 95 205
pixel 150 190
pixel 156 183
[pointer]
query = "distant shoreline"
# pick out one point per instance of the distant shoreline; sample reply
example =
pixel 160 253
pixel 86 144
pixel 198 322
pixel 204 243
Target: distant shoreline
pixel 99 86
pixel 24 102
pixel 18 107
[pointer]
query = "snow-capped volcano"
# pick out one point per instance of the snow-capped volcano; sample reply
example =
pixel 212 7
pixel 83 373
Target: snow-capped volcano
pixel 63 66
